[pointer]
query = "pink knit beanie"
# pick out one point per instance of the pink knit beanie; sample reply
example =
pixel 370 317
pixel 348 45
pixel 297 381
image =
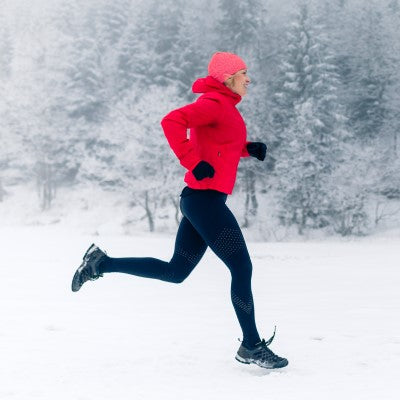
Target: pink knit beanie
pixel 222 63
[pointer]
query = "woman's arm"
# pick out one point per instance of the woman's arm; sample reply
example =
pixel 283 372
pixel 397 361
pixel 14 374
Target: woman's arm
pixel 206 110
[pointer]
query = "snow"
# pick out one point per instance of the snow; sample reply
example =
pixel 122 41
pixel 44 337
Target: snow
pixel 336 306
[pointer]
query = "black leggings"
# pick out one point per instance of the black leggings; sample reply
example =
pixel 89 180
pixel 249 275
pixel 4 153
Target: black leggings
pixel 207 222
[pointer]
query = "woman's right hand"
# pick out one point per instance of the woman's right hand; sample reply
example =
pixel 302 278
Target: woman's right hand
pixel 203 170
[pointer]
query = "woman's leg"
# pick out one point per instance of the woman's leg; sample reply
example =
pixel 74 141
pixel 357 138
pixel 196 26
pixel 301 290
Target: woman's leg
pixel 189 248
pixel 209 215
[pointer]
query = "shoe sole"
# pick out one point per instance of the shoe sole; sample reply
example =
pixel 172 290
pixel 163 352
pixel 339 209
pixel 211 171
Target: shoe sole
pixel 75 286
pixel 242 360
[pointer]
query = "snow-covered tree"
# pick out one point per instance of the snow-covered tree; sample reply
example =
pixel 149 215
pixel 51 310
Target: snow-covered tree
pixel 51 144
pixel 8 149
pixel 113 18
pixel 368 73
pixel 87 95
pixel 6 51
pixel 391 97
pixel 157 48
pixel 310 122
pixel 131 73
pixel 132 155
pixel 112 21
pixel 10 144
pixel 387 145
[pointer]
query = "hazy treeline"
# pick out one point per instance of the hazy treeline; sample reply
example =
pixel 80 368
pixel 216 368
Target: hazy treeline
pixel 84 86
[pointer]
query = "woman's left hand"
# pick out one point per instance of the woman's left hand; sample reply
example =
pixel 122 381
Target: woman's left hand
pixel 257 150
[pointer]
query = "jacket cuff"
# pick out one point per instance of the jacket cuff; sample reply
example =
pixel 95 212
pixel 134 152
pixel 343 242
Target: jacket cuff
pixel 245 153
pixel 190 160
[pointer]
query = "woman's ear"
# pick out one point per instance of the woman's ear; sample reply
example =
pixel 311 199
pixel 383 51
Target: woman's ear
pixel 226 77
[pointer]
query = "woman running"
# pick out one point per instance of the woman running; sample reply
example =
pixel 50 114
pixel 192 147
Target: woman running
pixel 211 155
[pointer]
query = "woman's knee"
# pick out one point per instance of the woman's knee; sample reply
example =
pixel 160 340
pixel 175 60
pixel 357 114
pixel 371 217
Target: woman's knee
pixel 178 272
pixel 178 278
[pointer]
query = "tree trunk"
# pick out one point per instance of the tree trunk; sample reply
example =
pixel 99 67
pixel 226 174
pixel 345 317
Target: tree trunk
pixel 302 222
pixel 251 203
pixel 45 184
pixel 149 213
pixel 177 210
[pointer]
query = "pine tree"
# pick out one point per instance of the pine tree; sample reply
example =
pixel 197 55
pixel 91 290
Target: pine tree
pixel 391 129
pixel 369 71
pixel 386 146
pixel 52 145
pixel 131 70
pixel 87 94
pixel 6 51
pixel 162 28
pixel 7 150
pixel 191 59
pixel 309 118
pixel 112 21
pixel 157 49
pixel 239 26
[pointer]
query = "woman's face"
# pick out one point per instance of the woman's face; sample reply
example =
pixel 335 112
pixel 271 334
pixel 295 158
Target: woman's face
pixel 239 82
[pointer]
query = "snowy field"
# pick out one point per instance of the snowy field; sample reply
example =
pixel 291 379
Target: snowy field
pixel 336 306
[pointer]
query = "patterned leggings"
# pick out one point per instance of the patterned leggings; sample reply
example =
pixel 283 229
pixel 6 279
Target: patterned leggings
pixel 207 222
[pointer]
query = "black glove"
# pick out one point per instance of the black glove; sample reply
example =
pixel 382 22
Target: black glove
pixel 257 150
pixel 203 170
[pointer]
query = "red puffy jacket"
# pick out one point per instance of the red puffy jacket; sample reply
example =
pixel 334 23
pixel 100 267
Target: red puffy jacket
pixel 217 134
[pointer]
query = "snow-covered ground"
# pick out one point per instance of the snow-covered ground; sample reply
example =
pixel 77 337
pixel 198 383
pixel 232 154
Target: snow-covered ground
pixel 336 306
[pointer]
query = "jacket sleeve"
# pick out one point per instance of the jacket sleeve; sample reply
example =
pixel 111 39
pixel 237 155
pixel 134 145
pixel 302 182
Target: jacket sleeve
pixel 245 153
pixel 205 111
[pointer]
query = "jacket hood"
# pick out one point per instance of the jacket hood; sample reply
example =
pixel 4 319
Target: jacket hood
pixel 210 84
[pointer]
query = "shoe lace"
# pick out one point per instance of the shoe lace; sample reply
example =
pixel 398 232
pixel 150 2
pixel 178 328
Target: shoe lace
pixel 269 341
pixel 264 352
pixel 86 275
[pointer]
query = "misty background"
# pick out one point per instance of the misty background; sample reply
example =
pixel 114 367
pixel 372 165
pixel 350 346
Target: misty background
pixel 85 84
